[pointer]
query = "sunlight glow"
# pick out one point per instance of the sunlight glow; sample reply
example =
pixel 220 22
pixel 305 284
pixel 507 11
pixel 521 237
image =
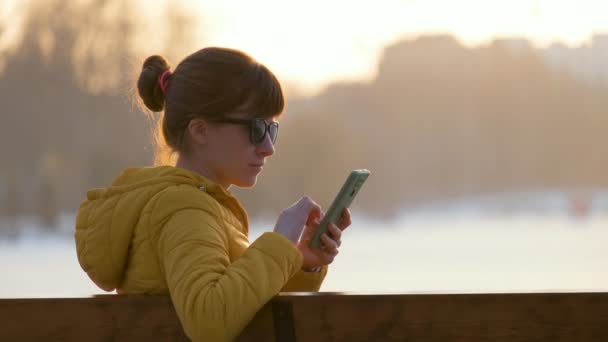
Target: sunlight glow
pixel 11 20
pixel 309 44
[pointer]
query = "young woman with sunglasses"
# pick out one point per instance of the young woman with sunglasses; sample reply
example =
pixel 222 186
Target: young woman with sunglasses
pixel 176 229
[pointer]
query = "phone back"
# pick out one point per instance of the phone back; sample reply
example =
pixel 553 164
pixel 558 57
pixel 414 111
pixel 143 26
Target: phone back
pixel 345 197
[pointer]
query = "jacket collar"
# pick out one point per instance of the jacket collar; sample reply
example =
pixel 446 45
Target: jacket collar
pixel 223 196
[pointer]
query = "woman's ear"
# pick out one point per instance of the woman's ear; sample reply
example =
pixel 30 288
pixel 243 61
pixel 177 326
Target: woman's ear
pixel 198 129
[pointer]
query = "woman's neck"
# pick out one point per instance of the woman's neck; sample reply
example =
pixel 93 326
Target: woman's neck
pixel 187 163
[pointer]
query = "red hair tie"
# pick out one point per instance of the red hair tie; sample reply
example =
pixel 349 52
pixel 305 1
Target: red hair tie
pixel 162 82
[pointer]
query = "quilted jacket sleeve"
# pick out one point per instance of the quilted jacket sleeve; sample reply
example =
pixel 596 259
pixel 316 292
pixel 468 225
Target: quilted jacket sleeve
pixel 215 299
pixel 305 281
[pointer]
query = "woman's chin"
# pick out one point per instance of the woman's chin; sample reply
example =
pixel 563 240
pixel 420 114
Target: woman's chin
pixel 247 182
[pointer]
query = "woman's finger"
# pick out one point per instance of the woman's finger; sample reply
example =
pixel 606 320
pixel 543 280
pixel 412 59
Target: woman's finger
pixel 330 245
pixel 336 233
pixel 315 214
pixel 307 209
pixel 345 219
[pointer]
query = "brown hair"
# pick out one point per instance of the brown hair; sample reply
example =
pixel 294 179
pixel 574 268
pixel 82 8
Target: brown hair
pixel 209 84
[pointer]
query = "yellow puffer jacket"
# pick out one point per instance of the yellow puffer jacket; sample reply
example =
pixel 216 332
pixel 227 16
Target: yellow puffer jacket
pixel 166 230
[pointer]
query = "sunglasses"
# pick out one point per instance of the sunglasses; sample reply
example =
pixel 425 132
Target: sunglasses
pixel 257 128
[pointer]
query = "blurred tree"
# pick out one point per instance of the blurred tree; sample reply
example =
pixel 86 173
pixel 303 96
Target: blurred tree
pixel 440 120
pixel 67 84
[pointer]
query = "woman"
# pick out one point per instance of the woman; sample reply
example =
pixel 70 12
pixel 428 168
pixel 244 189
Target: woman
pixel 177 230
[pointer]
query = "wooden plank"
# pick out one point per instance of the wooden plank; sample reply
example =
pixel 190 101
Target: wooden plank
pixel 323 317
pixel 99 318
pixel 451 317
pixel 261 327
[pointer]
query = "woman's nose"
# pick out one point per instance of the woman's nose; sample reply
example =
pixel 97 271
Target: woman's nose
pixel 266 147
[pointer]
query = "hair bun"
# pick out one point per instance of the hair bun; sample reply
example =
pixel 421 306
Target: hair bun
pixel 148 85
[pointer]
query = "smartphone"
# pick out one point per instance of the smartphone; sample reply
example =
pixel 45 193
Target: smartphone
pixel 345 197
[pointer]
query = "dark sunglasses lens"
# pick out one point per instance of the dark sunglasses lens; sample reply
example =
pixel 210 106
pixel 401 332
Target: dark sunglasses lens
pixel 258 131
pixel 273 131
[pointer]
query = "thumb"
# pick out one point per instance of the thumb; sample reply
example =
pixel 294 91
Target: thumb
pixel 309 230
pixel 315 215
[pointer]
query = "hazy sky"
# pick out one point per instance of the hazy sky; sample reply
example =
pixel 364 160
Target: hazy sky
pixel 313 42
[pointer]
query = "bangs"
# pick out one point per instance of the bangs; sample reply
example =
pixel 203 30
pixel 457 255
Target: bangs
pixel 262 96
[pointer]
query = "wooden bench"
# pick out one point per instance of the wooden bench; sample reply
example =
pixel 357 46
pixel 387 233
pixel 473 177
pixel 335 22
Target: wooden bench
pixel 323 317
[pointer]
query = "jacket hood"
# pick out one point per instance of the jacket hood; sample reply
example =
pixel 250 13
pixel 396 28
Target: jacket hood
pixel 107 218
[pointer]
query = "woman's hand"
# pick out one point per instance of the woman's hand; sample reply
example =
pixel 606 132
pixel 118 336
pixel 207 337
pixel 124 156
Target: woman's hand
pixel 292 220
pixel 330 241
